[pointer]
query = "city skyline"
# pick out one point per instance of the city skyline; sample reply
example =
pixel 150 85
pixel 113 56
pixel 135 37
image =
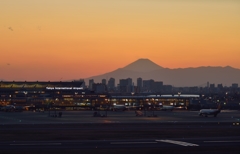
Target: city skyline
pixel 148 70
pixel 65 40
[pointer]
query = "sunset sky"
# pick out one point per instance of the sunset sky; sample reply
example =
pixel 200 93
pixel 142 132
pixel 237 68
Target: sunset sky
pixel 73 39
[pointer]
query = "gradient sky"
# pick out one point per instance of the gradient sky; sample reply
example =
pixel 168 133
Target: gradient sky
pixel 72 39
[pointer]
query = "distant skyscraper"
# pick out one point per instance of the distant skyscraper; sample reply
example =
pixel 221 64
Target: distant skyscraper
pixel 212 86
pixel 111 85
pixel 125 82
pixel 91 82
pixel 158 86
pixel 125 85
pixel 152 86
pixel 99 88
pixel 220 86
pixel 234 85
pixel 148 85
pixel 167 88
pixel 104 81
pixel 139 84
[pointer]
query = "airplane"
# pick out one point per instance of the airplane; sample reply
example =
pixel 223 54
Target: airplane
pixel 12 108
pixel 206 112
pixel 167 108
pixel 119 107
pixel 8 108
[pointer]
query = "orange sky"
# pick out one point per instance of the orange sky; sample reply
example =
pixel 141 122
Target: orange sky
pixel 72 39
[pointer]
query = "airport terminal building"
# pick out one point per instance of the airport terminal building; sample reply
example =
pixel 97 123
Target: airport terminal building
pixel 72 96
pixel 38 93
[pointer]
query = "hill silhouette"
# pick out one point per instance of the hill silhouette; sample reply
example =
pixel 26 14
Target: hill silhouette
pixel 181 77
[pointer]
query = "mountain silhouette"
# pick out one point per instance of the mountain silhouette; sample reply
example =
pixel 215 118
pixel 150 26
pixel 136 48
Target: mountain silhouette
pixel 142 65
pixel 181 77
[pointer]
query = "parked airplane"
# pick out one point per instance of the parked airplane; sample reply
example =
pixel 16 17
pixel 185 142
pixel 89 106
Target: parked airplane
pixel 206 112
pixel 167 108
pixel 8 108
pixel 119 108
pixel 12 108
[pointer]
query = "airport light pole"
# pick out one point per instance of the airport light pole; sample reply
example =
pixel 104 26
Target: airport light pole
pixel 10 96
pixel 106 109
pixel 144 104
pixel 226 99
pixel 132 99
pixel 153 107
pixel 48 109
pixel 25 92
pixel 179 93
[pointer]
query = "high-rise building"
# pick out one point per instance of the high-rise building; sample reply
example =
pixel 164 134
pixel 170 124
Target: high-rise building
pixel 104 81
pixel 234 85
pixel 148 85
pixel 139 84
pixel 125 85
pixel 111 85
pixel 212 86
pixel 90 86
pixel 168 88
pixel 99 88
pixel 152 86
pixel 158 86
pixel 220 86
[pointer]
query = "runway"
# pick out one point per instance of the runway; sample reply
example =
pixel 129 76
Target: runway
pixel 119 132
pixel 179 145
pixel 27 117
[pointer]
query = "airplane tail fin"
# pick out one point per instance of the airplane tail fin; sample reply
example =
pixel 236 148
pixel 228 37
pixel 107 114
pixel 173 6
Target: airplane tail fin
pixel 139 113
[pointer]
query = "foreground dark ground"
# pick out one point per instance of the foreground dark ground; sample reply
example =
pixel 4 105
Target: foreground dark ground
pixel 109 131
pixel 118 131
pixel 80 132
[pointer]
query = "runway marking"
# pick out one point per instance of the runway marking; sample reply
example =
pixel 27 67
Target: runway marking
pixel 133 142
pixel 108 121
pixel 178 142
pixel 221 141
pixel 21 144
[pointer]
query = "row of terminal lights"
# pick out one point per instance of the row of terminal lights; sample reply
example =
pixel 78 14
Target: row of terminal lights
pixel 235 123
